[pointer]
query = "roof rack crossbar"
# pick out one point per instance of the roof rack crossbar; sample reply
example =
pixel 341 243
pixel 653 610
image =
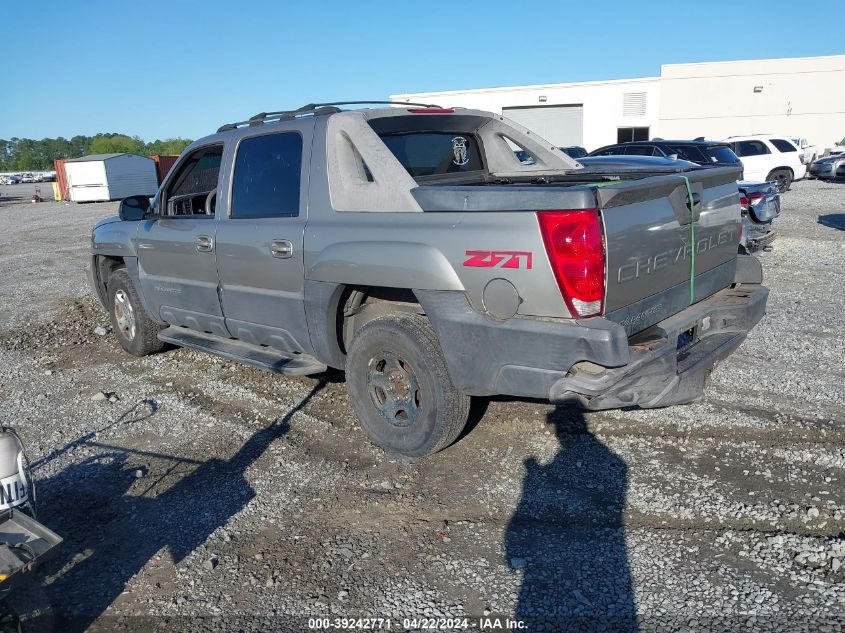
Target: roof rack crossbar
pixel 311 108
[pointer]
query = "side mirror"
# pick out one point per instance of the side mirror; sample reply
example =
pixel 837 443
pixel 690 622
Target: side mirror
pixel 134 208
pixel 673 157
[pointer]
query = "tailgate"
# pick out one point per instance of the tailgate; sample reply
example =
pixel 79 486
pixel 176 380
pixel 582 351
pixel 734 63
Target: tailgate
pixel 663 256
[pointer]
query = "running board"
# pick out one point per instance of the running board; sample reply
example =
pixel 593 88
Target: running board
pixel 265 358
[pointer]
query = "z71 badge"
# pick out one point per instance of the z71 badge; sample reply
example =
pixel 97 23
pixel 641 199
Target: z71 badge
pixel 498 259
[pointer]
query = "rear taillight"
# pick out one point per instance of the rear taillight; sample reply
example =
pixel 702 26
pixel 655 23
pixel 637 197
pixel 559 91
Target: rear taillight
pixel 756 195
pixel 743 201
pixel 802 157
pixel 575 246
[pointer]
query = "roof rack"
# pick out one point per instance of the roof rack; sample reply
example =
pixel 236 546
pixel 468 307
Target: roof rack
pixel 317 109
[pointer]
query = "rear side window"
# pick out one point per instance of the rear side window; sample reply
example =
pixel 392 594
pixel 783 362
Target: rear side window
pixel 691 153
pixel 721 154
pixel 613 150
pixel 751 148
pixel 266 178
pixel 642 150
pixel 435 153
pixel 783 145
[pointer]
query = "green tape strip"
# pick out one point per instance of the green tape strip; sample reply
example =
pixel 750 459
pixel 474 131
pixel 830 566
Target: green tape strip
pixel 691 205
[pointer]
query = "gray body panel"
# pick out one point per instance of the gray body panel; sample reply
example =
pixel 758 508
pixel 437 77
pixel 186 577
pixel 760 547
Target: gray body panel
pixel 179 283
pixel 503 329
pixel 262 295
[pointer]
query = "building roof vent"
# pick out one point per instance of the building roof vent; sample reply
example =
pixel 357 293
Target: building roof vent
pixel 633 104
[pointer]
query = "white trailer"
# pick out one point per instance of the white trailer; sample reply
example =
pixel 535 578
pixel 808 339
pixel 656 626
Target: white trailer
pixel 101 177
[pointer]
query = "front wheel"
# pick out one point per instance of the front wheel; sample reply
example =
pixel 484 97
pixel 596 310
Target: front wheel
pixel 400 388
pixel 136 332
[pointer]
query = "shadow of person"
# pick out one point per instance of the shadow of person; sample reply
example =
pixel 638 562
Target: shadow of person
pixel 567 536
pixel 110 536
pixel 833 220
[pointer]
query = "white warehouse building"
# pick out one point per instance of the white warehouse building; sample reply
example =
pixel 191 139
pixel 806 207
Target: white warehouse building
pixel 797 97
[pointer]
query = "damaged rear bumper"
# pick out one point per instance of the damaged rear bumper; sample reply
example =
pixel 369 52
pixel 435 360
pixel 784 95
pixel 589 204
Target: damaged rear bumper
pixel 664 369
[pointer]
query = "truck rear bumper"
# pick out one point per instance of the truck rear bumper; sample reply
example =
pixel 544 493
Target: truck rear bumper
pixel 662 371
pixel 592 361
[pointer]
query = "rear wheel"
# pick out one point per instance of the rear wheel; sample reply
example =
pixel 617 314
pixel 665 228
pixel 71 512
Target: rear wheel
pixel 783 178
pixel 136 332
pixel 400 389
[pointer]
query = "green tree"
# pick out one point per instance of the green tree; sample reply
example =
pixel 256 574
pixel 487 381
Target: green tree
pixel 26 154
pixel 167 146
pixel 115 144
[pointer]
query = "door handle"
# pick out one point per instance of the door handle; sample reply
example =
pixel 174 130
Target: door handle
pixel 281 249
pixel 205 243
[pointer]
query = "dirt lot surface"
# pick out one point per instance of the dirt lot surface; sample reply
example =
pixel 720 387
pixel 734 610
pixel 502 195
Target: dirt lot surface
pixel 203 495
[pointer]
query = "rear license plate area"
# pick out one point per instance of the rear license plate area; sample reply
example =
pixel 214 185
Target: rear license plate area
pixel 685 339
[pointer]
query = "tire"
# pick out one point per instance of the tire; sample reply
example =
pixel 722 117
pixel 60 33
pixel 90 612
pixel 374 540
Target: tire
pixel 136 332
pixel 400 388
pixel 783 177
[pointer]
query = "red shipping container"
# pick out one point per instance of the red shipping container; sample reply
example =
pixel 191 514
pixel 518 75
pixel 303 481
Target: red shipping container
pixel 61 178
pixel 163 164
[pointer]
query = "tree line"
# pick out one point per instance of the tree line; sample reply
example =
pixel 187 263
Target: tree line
pixel 26 154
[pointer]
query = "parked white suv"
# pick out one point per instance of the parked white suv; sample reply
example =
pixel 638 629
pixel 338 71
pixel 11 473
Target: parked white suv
pixel 768 157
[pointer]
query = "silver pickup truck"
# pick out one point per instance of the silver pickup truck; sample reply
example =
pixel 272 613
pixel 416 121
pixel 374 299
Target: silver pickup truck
pixel 411 248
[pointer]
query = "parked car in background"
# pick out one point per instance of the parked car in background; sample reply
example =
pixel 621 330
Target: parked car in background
pixel 838 148
pixel 700 152
pixel 610 165
pixel 760 203
pixel 28 177
pixel 12 179
pixel 829 168
pixel 811 152
pixel 767 157
pixel 574 151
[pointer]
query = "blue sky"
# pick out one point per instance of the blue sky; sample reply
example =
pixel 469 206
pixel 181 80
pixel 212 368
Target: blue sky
pixel 161 69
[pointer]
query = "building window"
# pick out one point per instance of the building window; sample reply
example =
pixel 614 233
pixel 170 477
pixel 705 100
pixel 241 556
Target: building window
pixel 628 134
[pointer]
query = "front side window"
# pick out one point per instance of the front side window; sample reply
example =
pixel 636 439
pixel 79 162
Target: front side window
pixel 435 153
pixel 191 191
pixel 751 148
pixel 266 179
pixel 783 145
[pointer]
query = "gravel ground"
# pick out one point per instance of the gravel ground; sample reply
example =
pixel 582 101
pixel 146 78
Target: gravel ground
pixel 197 494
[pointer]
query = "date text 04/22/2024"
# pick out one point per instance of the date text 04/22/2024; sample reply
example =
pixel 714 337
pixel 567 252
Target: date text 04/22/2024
pixel 416 624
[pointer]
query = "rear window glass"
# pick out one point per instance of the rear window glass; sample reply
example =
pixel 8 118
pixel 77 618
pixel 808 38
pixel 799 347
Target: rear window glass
pixel 574 152
pixel 721 154
pixel 435 153
pixel 783 145
pixel 266 179
pixel 751 148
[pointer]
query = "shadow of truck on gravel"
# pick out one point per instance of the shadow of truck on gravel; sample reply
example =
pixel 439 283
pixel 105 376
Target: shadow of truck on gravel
pixel 111 536
pixel 568 537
